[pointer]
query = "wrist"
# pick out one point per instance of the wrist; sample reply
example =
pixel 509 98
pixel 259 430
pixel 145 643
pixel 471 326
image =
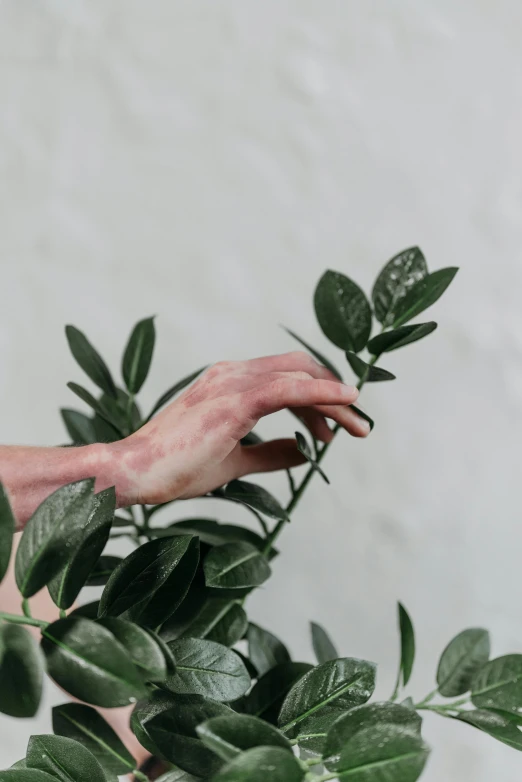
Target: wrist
pixel 109 465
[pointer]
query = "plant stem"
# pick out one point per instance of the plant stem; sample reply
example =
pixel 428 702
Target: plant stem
pixel 444 711
pixel 427 699
pixel 26 608
pixel 313 761
pixel 22 620
pixel 63 614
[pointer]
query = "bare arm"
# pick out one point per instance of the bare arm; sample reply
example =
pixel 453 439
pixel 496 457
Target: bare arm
pixel 193 446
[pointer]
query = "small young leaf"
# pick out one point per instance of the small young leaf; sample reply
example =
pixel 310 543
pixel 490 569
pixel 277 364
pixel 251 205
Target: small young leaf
pixel 138 355
pixel 103 570
pixel 368 373
pixel 143 649
pixel 7 529
pixel 461 660
pixel 221 620
pixel 21 672
pixel 304 448
pixel 423 294
pixel 88 662
pixel 315 353
pixel 498 685
pixel 398 338
pixel 235 566
pixel 63 758
pixel 90 360
pixel 255 497
pixel 80 427
pixel 343 311
pixel 44 547
pixel 262 764
pixel 86 545
pixel 108 414
pixel 86 725
pixel 501 728
pixel 179 386
pixel 207 668
pixel 265 650
pixel 407 644
pixel 267 696
pixel 395 280
pixel 322 643
pixel 229 736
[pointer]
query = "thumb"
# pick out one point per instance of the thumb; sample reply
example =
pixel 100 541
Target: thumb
pixel 270 456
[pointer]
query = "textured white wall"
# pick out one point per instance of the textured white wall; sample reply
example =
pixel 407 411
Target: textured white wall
pixel 206 162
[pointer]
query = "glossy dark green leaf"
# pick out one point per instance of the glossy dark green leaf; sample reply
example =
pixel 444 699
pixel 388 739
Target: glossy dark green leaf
pixel 407 634
pixel 63 758
pixel 80 427
pixel 138 355
pixel 168 657
pixel 109 414
pixel 363 717
pixel 324 648
pixel 461 660
pixel 21 672
pixel 19 764
pixel 142 648
pixel 207 668
pixel 179 623
pixel 398 338
pixel 510 716
pixel 395 280
pixel 90 360
pixel 235 566
pixel 145 710
pixel 229 736
pixel 21 774
pixel 88 662
pixel 221 620
pixel 343 683
pixel 255 497
pixel 265 650
pixel 315 353
pixel 493 724
pixel 44 549
pixel 498 684
pixel 213 533
pixel 368 373
pixel 86 543
pixel 423 294
pixel 86 725
pixel 105 432
pixel 304 448
pixel 176 388
pixel 7 528
pixel 174 732
pixel 150 583
pixel 102 570
pixel 267 696
pixel 262 764
pixel 343 311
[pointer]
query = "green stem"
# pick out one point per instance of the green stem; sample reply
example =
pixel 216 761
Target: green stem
pixel 444 711
pixel 427 699
pixel 63 614
pixel 26 608
pixel 313 762
pixel 22 620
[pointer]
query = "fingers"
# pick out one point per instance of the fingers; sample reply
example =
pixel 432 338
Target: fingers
pixel 347 418
pixel 315 422
pixel 291 391
pixel 296 361
pixel 270 456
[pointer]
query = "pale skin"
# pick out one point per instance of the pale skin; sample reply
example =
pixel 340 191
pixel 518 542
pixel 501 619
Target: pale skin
pixel 190 448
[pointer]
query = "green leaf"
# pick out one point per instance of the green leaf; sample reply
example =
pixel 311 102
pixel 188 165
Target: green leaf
pixel 423 294
pixel 138 355
pixel 262 764
pixel 174 732
pixel 501 728
pixel 364 416
pixel 398 338
pixel 7 529
pixel 235 566
pixel 212 533
pixel 89 663
pixel 368 373
pixel 19 764
pixel 265 650
pixel 255 497
pixel 109 414
pixel 86 725
pixel 343 683
pixel 207 668
pixel 315 353
pixel 343 311
pixel 144 711
pixel 266 697
pixel 407 644
pixel 86 544
pixel 231 735
pixel 394 282
pixel 21 774
pixel 323 647
pixel 90 360
pixel 79 427
pixel 142 647
pixel 103 570
pixel 176 775
pixel 88 610
pixel 304 448
pixel 498 685
pixel 362 718
pixel 44 547
pixel 176 388
pixel 21 672
pixel 151 582
pixel 221 620
pixel 461 660
pixel 63 758
pixel 180 621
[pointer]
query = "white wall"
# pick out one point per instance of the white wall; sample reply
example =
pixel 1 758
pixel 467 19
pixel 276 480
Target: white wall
pixel 206 162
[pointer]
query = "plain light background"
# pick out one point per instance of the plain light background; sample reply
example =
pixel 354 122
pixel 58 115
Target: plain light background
pixel 206 162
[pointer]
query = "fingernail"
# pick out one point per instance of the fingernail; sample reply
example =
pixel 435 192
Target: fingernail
pixel 351 391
